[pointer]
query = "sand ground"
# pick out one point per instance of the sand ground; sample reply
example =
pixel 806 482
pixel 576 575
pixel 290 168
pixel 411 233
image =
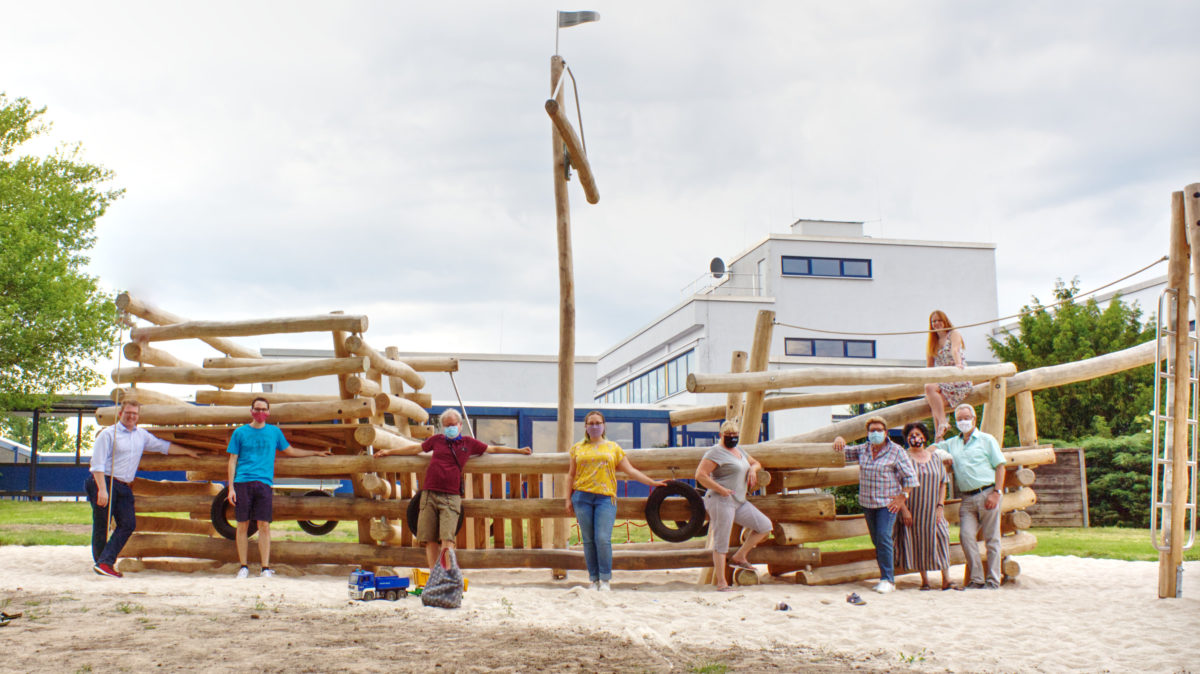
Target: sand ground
pixel 1062 613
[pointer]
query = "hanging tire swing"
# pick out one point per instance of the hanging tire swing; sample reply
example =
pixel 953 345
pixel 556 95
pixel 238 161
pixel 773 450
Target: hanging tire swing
pixel 221 523
pixel 314 528
pixel 683 530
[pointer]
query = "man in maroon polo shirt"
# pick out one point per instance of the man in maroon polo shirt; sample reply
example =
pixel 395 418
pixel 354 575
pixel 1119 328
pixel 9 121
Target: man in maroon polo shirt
pixel 441 495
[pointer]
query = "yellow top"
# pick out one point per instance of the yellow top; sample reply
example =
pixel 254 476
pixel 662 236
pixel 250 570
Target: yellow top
pixel 596 466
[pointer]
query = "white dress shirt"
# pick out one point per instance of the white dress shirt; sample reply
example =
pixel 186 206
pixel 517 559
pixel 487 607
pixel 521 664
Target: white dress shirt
pixel 118 451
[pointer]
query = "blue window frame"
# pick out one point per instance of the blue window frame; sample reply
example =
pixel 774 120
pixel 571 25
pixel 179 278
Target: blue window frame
pixel 829 348
pixel 825 266
pixel 663 381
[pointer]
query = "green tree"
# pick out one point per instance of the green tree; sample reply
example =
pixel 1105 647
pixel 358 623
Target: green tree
pixel 1108 406
pixel 55 434
pixel 54 319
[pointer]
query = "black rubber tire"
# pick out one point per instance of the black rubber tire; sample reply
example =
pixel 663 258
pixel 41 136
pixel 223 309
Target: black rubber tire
pixel 312 527
pixel 414 513
pixel 703 530
pixel 221 523
pixel 691 528
pixel 391 595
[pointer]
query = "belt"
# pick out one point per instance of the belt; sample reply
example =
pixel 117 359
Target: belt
pixel 976 491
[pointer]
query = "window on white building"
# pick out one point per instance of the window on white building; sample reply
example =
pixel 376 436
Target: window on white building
pixel 665 380
pixel 829 348
pixel 825 266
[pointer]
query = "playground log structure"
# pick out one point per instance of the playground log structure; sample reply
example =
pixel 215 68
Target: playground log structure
pixel 514 513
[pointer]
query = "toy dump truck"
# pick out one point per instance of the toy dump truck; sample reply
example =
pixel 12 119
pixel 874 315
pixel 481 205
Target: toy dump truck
pixel 365 586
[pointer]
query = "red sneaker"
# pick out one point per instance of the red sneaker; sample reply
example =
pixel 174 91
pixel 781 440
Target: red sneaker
pixel 107 570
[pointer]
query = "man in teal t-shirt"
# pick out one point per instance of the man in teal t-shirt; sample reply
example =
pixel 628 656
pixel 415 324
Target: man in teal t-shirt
pixel 252 450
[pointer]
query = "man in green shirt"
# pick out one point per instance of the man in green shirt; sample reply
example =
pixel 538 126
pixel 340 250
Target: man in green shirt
pixel 979 476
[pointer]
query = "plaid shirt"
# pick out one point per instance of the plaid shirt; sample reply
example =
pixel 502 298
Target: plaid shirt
pixel 881 477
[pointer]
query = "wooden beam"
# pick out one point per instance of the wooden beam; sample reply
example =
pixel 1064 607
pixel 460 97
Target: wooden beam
pixel 126 302
pixel 241 375
pixel 993 411
pixel 579 160
pixel 246 398
pixel 401 407
pixel 734 400
pixel 692 415
pixel 145 396
pixel 1026 419
pixel 359 385
pixel 283 413
pixel 148 355
pixel 289 552
pixel 256 326
pixel 393 368
pixel 699 382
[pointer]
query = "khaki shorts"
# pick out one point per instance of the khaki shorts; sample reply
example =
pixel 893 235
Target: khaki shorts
pixel 438 520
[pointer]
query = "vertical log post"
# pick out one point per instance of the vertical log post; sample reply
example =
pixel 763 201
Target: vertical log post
pixel 1184 220
pixel 403 480
pixel 760 352
pixel 340 350
pixel 735 399
pixel 566 308
pixel 994 409
pixel 1026 419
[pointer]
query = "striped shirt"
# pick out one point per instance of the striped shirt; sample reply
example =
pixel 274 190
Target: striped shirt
pixel 122 463
pixel 881 477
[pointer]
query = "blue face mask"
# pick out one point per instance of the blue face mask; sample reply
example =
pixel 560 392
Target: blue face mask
pixel 876 437
pixel 451 432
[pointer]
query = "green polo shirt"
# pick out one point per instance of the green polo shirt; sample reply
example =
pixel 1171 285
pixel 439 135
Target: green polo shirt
pixel 975 462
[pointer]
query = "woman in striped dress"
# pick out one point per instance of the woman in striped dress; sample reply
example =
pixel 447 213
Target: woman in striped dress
pixel 923 539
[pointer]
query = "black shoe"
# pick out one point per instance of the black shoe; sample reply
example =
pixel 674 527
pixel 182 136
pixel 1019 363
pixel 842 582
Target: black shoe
pixel 975 586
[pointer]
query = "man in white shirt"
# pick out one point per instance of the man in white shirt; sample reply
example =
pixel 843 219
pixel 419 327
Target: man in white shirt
pixel 115 458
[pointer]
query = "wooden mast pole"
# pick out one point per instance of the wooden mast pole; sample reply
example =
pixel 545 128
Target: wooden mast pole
pixel 1169 561
pixel 566 306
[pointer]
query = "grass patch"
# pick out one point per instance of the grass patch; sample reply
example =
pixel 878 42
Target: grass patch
pixel 710 668
pixel 45 512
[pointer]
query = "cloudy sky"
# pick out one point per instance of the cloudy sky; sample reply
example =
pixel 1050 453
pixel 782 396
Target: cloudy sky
pixel 393 158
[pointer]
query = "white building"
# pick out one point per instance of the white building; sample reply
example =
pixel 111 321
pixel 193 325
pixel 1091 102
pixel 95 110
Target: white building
pixel 824 275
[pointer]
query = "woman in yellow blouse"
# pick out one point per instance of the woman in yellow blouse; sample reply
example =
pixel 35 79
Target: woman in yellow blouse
pixel 592 495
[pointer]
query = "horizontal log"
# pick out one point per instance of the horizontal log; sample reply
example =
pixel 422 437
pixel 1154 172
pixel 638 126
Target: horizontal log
pixel 241 375
pixel 732 382
pixel 682 459
pixel 797 533
pixel 257 326
pixel 148 355
pixel 392 368
pixel 359 385
pixel 174 525
pixel 381 438
pixel 431 363
pixel 420 431
pixel 342 508
pixel 289 552
pixel 1053 376
pixel 169 565
pixel 145 396
pixel 143 487
pixel 1010 567
pixel 807 478
pixel 693 415
pixel 400 406
pixel 1020 477
pixel 865 570
pixel 246 398
pixel 283 413
pixel 126 302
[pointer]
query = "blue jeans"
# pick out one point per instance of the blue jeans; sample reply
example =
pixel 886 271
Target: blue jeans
pixel 881 522
pixel 596 515
pixel 121 498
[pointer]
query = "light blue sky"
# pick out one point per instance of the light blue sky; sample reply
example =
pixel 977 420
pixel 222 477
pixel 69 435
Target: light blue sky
pixel 394 158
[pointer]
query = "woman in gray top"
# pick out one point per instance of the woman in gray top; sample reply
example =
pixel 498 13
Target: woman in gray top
pixel 729 473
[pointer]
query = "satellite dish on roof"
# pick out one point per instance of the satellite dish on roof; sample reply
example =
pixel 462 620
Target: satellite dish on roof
pixel 717 267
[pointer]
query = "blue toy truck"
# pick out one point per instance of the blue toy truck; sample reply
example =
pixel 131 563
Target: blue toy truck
pixel 366 586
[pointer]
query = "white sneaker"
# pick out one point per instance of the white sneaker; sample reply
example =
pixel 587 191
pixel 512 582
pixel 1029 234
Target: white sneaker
pixel 604 586
pixel 595 585
pixel 243 573
pixel 267 573
pixel 884 587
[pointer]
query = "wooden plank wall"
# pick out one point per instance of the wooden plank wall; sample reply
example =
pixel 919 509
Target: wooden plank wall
pixel 1061 491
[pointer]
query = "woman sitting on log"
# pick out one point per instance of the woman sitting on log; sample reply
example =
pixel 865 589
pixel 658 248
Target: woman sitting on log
pixel 923 539
pixel 945 348
pixel 729 472
pixel 885 477
pixel 592 495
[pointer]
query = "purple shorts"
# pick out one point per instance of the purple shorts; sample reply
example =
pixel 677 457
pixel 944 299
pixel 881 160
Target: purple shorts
pixel 254 501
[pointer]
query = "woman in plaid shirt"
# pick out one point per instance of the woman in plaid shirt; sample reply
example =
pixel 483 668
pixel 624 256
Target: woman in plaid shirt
pixel 885 477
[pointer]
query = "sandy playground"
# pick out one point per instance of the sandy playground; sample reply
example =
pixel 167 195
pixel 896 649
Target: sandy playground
pixel 1063 613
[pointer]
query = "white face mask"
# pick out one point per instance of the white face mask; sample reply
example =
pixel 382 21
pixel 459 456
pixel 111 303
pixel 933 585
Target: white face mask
pixel 965 425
